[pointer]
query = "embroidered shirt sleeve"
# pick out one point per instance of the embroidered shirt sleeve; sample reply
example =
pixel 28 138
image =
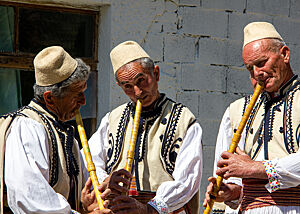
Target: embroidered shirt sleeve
pixel 273 184
pixel 159 205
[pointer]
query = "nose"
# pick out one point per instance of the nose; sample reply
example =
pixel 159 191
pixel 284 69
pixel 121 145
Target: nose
pixel 137 91
pixel 258 73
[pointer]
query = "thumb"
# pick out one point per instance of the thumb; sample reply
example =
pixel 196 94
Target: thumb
pixel 239 151
pixel 212 179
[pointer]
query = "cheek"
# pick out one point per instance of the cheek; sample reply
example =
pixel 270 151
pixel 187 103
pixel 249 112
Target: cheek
pixel 149 85
pixel 154 87
pixel 130 94
pixel 71 104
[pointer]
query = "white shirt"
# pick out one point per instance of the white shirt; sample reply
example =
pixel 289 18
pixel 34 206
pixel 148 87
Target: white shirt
pixel 27 170
pixel 188 166
pixel 288 168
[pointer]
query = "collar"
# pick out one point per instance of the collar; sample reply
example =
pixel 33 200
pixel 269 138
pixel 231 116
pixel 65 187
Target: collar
pixel 42 108
pixel 156 109
pixel 45 109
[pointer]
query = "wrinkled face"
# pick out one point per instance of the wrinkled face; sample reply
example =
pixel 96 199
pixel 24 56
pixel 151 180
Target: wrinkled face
pixel 137 83
pixel 266 65
pixel 66 106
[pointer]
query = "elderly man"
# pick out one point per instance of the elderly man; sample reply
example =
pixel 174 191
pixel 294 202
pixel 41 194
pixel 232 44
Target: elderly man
pixel 40 156
pixel 168 155
pixel 270 166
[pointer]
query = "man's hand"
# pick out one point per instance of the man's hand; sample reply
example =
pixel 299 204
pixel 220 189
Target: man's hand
pixel 240 165
pixel 98 211
pixel 227 192
pixel 125 204
pixel 88 198
pixel 122 177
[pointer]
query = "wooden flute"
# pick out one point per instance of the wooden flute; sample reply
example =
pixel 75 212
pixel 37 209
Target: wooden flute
pixel 90 165
pixel 134 132
pixel 234 143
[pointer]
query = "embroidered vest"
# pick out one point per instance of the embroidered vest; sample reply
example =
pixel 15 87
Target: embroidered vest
pixel 160 136
pixel 273 126
pixel 64 154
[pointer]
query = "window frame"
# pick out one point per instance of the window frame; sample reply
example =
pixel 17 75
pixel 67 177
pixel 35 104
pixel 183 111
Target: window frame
pixel 24 61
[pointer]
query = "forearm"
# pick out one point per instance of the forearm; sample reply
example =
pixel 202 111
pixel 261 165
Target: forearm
pixel 257 170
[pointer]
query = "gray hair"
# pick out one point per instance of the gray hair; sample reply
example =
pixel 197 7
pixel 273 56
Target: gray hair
pixel 146 63
pixel 81 73
pixel 275 45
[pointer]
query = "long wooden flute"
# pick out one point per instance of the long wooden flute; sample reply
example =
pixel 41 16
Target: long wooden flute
pixel 134 132
pixel 90 165
pixel 234 143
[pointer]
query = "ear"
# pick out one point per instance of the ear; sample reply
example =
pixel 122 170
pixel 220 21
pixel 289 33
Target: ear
pixel 285 53
pixel 118 83
pixel 48 98
pixel 156 72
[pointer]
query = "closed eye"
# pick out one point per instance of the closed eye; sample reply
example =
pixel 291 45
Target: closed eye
pixel 261 63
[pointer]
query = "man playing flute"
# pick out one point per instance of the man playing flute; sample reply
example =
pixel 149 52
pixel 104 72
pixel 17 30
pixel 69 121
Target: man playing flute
pixel 167 165
pixel 269 167
pixel 39 155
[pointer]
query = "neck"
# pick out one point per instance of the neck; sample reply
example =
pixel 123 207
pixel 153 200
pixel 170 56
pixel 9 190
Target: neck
pixel 46 107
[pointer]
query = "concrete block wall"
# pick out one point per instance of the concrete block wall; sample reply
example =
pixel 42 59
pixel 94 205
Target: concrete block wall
pixel 197 45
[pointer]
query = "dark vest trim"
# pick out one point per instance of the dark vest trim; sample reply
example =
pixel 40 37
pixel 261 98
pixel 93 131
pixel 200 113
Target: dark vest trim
pixel 118 142
pixel 251 117
pixel 266 130
pixel 270 108
pixel 253 113
pixel 140 147
pixel 168 144
pixel 298 134
pixel 66 135
pixel 289 140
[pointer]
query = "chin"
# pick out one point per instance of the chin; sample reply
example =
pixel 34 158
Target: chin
pixel 270 90
pixel 70 117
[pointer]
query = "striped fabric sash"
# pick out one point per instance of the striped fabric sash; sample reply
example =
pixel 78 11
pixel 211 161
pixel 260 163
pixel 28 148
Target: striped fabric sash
pixel 145 196
pixel 255 195
pixel 133 190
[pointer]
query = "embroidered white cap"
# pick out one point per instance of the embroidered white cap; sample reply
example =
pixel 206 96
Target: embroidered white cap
pixel 259 30
pixel 126 52
pixel 53 65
